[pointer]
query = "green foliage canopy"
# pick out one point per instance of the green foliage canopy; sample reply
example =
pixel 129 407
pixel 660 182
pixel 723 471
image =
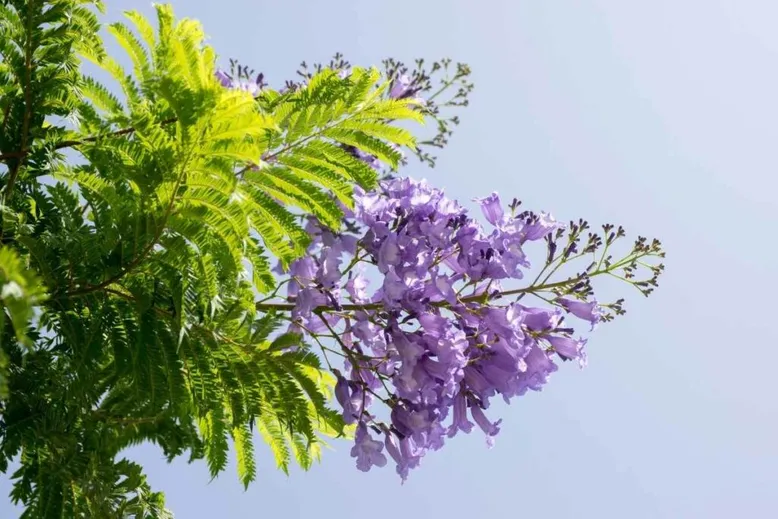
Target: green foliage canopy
pixel 129 270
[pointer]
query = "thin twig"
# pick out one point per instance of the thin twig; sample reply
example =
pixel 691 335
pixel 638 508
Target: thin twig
pixel 478 298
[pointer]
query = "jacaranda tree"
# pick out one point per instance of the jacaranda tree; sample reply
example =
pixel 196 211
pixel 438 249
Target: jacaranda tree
pixel 187 256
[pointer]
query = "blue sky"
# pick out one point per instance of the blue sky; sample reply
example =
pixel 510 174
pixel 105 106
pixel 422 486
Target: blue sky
pixel 660 116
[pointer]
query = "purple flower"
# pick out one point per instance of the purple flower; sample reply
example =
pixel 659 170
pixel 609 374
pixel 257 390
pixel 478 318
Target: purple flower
pixel 223 78
pixel 369 206
pixel 329 273
pixel 567 347
pixel 460 422
pixel 434 325
pixel 478 383
pixel 394 288
pixel 407 347
pixel 539 367
pixel 401 87
pixel 366 450
pixel 505 321
pixel 435 439
pixel 389 254
pixel 492 208
pixel 372 161
pixel 588 311
pixel 541 319
pixel 412 421
pixel 490 429
pixel 247 86
pixel 540 226
pixel 413 383
pixel 404 452
pixel 350 397
pixel 357 288
pixel 307 300
pixel 446 376
pixel 371 335
pixel 302 273
pixel 393 448
pixel 441 287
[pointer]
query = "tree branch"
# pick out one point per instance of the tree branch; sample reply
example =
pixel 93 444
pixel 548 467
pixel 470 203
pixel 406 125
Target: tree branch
pixel 478 298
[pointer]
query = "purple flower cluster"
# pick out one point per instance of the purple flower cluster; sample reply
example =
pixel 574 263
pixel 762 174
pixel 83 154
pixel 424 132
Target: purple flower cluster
pixel 242 82
pixel 436 339
pixel 403 87
pixel 437 336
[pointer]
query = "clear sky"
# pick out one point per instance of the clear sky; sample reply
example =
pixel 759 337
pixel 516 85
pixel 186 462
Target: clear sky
pixel 661 116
